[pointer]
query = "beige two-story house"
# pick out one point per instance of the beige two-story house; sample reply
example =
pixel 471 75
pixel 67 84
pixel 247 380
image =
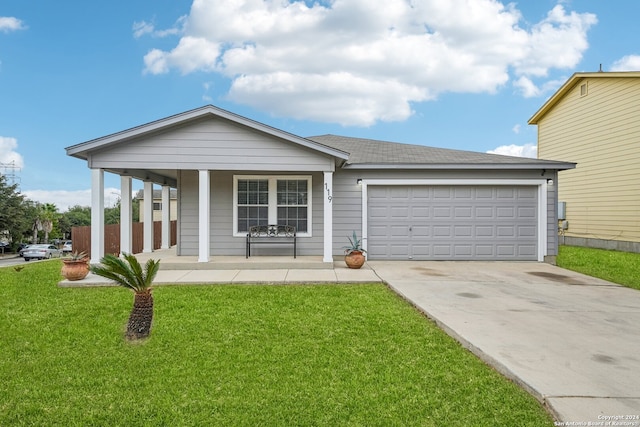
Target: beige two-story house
pixel 594 120
pixel 157 204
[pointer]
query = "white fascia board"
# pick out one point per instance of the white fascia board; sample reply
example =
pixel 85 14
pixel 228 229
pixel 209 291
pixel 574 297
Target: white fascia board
pixel 463 166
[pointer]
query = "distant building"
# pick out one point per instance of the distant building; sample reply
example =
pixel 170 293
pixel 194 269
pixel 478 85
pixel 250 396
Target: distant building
pixel 157 204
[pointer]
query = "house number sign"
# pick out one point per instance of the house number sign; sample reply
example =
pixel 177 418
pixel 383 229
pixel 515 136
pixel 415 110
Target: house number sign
pixel 329 197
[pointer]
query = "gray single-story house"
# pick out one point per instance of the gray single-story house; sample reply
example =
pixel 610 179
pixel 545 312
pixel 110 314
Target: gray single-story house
pixel 404 201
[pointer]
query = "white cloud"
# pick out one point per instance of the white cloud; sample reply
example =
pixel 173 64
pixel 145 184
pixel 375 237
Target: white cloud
pixel 141 28
pixel 529 89
pixel 527 150
pixel 9 23
pixel 64 199
pixel 516 129
pixel 627 63
pixel 313 60
pixel 526 87
pixel 8 153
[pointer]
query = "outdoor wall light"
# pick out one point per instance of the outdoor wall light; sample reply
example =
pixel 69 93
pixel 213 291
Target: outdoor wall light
pixel 359 181
pixel 549 182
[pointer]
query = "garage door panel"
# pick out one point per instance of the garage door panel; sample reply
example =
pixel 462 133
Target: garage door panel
pixel 505 231
pixel 420 231
pixel 484 212
pixel 463 231
pixel 505 212
pixel 463 250
pixel 527 212
pixel 506 250
pixel 442 251
pixel 485 251
pixel 485 231
pixel 463 212
pixel 526 231
pixel 442 231
pixel 378 212
pixel 399 231
pixel 450 222
pixel 421 251
pixel 378 232
pixel 442 212
pixel 463 193
pixel 420 212
pixel 527 250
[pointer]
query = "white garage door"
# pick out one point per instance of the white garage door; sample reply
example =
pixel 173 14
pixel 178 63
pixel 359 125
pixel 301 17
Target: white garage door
pixel 453 222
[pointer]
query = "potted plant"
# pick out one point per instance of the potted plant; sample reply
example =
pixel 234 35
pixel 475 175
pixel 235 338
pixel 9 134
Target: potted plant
pixel 128 273
pixel 354 254
pixel 75 266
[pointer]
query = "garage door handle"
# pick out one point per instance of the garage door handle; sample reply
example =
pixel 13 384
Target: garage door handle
pixel 410 228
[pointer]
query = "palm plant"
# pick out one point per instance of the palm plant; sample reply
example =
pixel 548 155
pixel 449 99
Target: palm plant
pixel 128 273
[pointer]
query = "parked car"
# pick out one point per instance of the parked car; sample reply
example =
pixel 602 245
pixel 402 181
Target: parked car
pixel 67 247
pixel 42 251
pixel 21 248
pixel 4 247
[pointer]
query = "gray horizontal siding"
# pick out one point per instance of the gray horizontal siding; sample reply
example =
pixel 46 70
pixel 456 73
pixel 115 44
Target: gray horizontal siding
pixel 223 242
pixel 212 143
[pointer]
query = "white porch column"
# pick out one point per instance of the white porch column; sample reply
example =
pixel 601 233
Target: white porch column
pixel 97 215
pixel 328 217
pixel 147 228
pixel 204 202
pixel 166 224
pixel 126 215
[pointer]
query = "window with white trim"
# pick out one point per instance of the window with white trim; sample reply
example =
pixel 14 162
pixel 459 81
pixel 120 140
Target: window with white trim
pixel 264 200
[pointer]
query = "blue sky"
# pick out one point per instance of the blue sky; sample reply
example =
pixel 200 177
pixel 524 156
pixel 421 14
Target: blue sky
pixel 461 74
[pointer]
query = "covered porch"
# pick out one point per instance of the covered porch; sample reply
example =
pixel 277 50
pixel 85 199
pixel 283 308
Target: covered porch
pixel 208 154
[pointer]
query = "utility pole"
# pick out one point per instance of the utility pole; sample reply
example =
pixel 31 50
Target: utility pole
pixel 10 172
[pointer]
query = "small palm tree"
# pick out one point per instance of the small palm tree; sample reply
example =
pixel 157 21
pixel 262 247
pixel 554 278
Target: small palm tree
pixel 128 273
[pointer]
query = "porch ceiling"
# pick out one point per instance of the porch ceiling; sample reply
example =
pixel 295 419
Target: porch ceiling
pixel 157 176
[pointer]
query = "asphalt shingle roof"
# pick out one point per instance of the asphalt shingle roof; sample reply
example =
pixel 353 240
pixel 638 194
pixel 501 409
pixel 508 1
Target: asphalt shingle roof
pixel 369 151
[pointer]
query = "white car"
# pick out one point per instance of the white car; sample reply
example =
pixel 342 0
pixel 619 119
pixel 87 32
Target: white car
pixel 43 251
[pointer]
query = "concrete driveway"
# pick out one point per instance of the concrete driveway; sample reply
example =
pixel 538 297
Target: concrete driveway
pixel 571 340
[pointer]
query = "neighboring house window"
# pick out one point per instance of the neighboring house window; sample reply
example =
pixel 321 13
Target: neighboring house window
pixel 584 89
pixel 157 206
pixel 283 200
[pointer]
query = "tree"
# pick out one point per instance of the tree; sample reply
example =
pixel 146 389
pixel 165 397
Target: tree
pixel 75 216
pixel 48 217
pixel 11 211
pixel 112 215
pixel 128 273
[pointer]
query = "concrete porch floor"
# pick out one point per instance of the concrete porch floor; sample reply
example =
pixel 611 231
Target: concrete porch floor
pixel 176 270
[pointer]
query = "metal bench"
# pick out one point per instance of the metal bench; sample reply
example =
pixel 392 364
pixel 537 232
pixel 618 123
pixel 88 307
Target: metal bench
pixel 271 234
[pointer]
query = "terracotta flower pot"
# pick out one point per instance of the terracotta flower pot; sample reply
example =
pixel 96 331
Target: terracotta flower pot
pixel 354 259
pixel 75 269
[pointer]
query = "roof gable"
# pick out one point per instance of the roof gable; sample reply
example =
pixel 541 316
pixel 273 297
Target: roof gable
pixel 82 150
pixel 574 80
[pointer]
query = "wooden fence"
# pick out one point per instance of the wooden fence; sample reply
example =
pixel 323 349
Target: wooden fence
pixel 81 237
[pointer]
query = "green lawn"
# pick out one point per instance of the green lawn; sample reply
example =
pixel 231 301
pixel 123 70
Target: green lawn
pixel 239 356
pixel 614 266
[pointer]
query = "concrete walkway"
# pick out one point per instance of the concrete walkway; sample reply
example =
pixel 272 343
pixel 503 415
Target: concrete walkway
pixel 234 271
pixel 571 340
